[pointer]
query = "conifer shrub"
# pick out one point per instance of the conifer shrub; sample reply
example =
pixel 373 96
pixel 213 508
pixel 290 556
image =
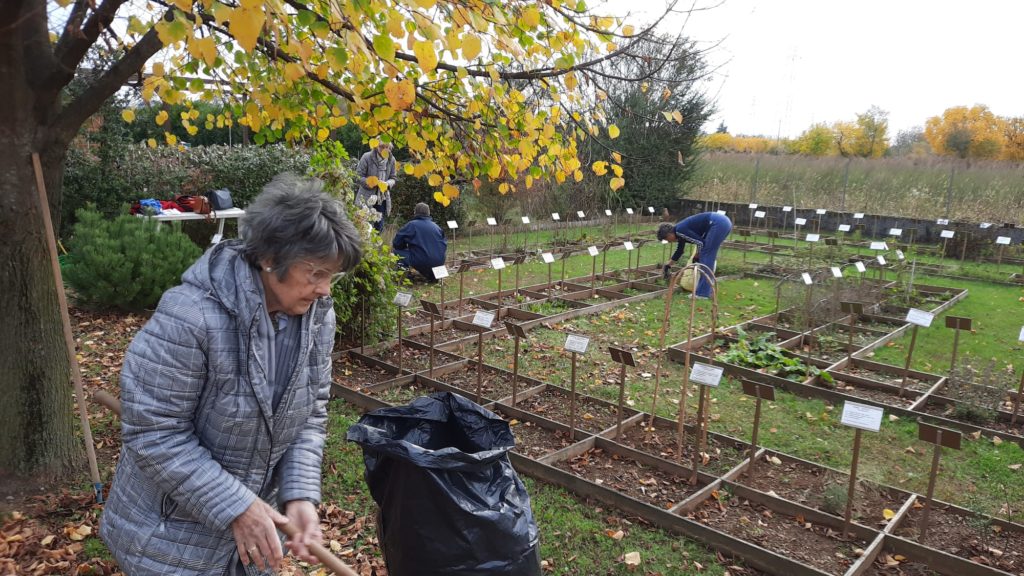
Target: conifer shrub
pixel 123 262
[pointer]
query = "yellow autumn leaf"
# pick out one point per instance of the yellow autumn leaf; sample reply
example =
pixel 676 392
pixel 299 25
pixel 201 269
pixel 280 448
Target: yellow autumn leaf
pixel 503 188
pixel 128 115
pixel 600 167
pixel 617 170
pixel 450 191
pixel 627 30
pixel 322 134
pixel 616 183
pixel 246 23
pixel 578 175
pixel 470 46
pixel 410 169
pixel 293 71
pixel 677 116
pixel 151 142
pixel 425 4
pixel 372 181
pixel 888 514
pixel 170 138
pixel 161 117
pixel 434 179
pixel 530 18
pixel 204 49
pixel 613 131
pixel 438 197
pixel 617 157
pixel 667 115
pixel 425 55
pixel 400 94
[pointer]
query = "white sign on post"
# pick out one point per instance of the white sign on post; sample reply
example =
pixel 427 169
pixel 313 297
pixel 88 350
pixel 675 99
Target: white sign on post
pixel 497 263
pixel 787 208
pixel 844 227
pixel 402 299
pixel 807 278
pixel 947 233
pixel 706 374
pixel 629 211
pixel 759 214
pixel 879 246
pixel 881 260
pixel 483 318
pixel 813 237
pixel 440 271
pixel 555 216
pixel 801 221
pixel 862 416
pixel 526 219
pixel 720 212
pixel 942 222
pixel 899 255
pixel 920 317
pixel 820 211
pixel 858 216
pixel 986 224
pixel 607 212
pixel 650 209
pixel 216 238
pixel 576 343
pixel 1021 337
pixel 491 221
pixel 1004 240
pixel 860 267
pixel 837 272
pixel 628 245
pixel 452 224
pixel 895 231
pixel 593 251
pixel 753 206
pixel 580 214
pixel 547 257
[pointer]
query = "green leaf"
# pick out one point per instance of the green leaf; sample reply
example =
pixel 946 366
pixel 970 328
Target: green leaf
pixel 384 46
pixel 306 18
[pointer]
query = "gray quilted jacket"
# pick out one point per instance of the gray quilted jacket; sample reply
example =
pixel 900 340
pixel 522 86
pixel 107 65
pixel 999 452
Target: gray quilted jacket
pixel 200 439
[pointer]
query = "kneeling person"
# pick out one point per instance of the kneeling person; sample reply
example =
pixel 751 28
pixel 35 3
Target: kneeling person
pixel 420 243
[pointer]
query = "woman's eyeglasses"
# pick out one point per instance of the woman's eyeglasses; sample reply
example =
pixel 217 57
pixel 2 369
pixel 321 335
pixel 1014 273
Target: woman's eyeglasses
pixel 318 275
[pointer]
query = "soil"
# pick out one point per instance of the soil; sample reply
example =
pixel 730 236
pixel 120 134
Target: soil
pixel 809 543
pixel 404 394
pixel 886 377
pixel 889 565
pixel 948 411
pixel 970 538
pixel 822 489
pixel 495 384
pixel 890 398
pixel 356 375
pixel 662 442
pixel 591 416
pixel 413 359
pixel 440 336
pixel 627 476
pixel 534 441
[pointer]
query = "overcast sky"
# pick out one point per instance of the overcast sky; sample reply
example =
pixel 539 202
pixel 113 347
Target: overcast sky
pixel 786 64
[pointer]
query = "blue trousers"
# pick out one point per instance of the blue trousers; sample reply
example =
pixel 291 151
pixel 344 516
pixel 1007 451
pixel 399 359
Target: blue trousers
pixel 711 228
pixel 406 260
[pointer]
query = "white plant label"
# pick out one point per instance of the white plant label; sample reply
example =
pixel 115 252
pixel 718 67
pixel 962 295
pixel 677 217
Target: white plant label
pixel 920 317
pixel 580 214
pixel 483 318
pixel 1004 240
pixel 440 271
pixel 547 257
pixel 820 211
pixel 1021 337
pixel 942 222
pixel 593 251
pixel 759 214
pixel 753 206
pixel 664 241
pixel 900 255
pixel 216 238
pixel 813 237
pixel 947 233
pixel 844 227
pixel 881 260
pixel 629 211
pixel 807 278
pixel 895 231
pixel 650 209
pixel 801 221
pixel 402 299
pixel 858 216
pixel 628 245
pixel 706 374
pixel 879 246
pixel 576 343
pixel 497 263
pixel 986 224
pixel 787 208
pixel 526 219
pixel 720 212
pixel 860 267
pixel 862 416
pixel 452 224
pixel 492 221
pixel 555 216
pixel 837 272
pixel 607 212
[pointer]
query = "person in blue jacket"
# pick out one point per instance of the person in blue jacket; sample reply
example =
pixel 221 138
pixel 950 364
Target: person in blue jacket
pixel 706 231
pixel 420 243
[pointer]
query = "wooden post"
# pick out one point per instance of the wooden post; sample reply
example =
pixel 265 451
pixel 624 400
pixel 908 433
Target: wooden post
pixel 759 392
pixel 701 431
pixel 462 282
pixel 499 288
pixel 939 437
pixel 399 308
pixel 572 399
pixel 853 482
pixel 517 332
pixel 906 365
pixel 1016 401
pixel 623 358
pixel 854 309
pixel 479 365
pixel 362 324
pixel 430 370
pixel 957 323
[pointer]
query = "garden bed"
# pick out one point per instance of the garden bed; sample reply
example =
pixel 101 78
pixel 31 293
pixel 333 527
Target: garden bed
pixel 356 375
pixel 533 440
pixel 975 538
pixel 414 359
pixel 495 384
pixel 718 457
pixel 880 395
pixel 592 415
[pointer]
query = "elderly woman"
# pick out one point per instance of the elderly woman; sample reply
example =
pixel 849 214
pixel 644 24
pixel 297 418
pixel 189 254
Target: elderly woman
pixel 224 395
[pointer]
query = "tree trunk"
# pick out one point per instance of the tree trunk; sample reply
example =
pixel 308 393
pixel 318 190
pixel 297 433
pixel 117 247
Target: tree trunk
pixel 37 424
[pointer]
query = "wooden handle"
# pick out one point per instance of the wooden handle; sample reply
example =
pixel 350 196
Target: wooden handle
pixel 328 559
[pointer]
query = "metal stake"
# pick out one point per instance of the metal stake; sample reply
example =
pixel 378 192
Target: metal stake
pixel 910 354
pixel 931 487
pixel 572 399
pixel 853 482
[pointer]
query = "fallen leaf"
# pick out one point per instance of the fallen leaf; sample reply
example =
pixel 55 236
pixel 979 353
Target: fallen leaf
pixel 893 417
pixel 997 440
pixel 614 534
pixel 975 435
pixel 888 514
pixel 1014 467
pixel 631 559
pixel 774 460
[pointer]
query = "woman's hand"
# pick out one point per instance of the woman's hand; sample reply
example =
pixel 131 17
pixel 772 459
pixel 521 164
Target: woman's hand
pixel 256 535
pixel 302 514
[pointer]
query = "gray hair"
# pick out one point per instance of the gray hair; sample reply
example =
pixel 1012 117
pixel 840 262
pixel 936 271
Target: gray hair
pixel 664 229
pixel 293 219
pixel 421 209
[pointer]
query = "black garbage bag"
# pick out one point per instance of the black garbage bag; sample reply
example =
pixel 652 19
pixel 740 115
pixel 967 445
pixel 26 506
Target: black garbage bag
pixel 450 502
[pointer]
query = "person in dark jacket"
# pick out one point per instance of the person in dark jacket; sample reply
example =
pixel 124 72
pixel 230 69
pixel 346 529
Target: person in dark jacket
pixel 421 243
pixel 706 231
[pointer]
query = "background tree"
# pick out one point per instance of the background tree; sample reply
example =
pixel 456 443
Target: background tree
pixel 910 142
pixel 1013 147
pixel 872 136
pixel 964 132
pixel 449 80
pixel 818 140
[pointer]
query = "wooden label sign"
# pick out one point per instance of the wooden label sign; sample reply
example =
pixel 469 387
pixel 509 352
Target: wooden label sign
pixel 862 416
pixel 402 299
pixel 942 222
pixel 1004 240
pixel 930 434
pixel 801 221
pixel 519 259
pixel 895 231
pixel 813 237
pixel 526 219
pixel 497 263
pixel 744 232
pixel 515 329
pixel 483 318
pixel 858 216
pixel 547 257
pixel 593 251
pixel 607 212
pixel 787 208
pixel 706 374
pixel 629 211
pixel 580 214
pixel 452 224
pixel 947 233
pixel 440 271
pixel 757 390
pixel 860 267
pixel 807 278
pixel 836 272
pixel 759 214
pixel 852 307
pixel 879 246
pixel 622 356
pixel 576 343
pixel 753 206
pixel 820 211
pixel 844 227
pixel 491 221
pixel 555 216
pixel 920 317
pixel 831 242
pixel 464 267
pixel 773 233
pixel 958 323
pixel 627 245
pixel 720 212
pixel 431 307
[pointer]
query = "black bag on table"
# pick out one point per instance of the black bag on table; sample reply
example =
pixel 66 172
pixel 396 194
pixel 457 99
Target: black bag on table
pixel 220 199
pixel 450 502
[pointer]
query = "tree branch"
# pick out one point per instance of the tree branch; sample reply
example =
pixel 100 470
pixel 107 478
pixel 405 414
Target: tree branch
pixel 75 42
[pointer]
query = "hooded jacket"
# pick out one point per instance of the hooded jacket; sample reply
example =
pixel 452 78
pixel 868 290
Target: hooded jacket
pixel 424 241
pixel 201 440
